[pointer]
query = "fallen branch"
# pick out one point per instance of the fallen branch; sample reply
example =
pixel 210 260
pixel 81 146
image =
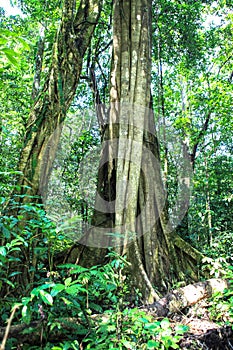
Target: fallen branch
pixel 31 333
pixel 181 298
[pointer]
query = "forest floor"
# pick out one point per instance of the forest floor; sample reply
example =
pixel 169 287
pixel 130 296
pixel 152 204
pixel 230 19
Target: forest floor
pixel 208 329
pixel 204 332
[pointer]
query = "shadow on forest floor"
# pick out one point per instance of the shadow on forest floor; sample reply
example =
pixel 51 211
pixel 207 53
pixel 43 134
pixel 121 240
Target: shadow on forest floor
pixel 213 338
pixel 203 332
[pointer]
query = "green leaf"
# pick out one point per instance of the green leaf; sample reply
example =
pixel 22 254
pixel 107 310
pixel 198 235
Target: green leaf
pixel 78 269
pixel 14 250
pixel 111 328
pixel 175 346
pixel 3 251
pixel 36 291
pixel 46 297
pixel 55 325
pixel 26 300
pixel 3 41
pixel 165 323
pixel 16 305
pixel 15 273
pixel 24 43
pixel 57 289
pixel 24 310
pixel 68 281
pixel 66 301
pixel 151 344
pixel 181 329
pixel 26 314
pixel 7 33
pixel 10 283
pixel 19 240
pixel 73 290
pixel 144 320
pixel 111 287
pixel 11 55
pixel 128 344
pixel 96 307
pixel 152 326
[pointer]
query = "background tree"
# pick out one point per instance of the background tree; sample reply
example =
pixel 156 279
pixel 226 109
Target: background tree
pixel 189 97
pixel 54 98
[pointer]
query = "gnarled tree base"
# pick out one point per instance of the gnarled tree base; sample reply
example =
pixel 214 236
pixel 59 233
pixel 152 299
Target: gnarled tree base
pixel 165 267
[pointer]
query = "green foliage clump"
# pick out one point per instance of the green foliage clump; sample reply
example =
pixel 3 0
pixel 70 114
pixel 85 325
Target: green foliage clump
pixel 221 304
pixel 134 329
pixel 88 307
pixel 94 303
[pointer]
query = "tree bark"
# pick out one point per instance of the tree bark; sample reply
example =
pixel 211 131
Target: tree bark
pixel 52 103
pixel 131 207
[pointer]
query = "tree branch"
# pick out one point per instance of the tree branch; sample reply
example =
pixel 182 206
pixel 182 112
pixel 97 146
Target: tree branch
pixel 200 136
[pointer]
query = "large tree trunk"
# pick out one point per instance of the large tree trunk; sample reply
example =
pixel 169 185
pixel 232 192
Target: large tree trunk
pixel 50 107
pixel 131 210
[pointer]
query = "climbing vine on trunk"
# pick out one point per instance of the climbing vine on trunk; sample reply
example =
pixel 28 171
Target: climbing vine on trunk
pixel 52 103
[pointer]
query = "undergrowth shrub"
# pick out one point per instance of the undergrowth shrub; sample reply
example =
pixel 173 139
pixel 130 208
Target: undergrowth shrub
pixel 90 309
pixel 221 304
pixel 76 307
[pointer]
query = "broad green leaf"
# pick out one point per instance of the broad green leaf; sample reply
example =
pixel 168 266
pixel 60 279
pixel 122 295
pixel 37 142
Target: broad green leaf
pixel 26 300
pixel 3 251
pixel 12 59
pixel 75 289
pixel 37 290
pixel 165 323
pixel 66 301
pixel 46 297
pixel 57 289
pixel 24 43
pixel 111 287
pixel 151 344
pixel 144 320
pixel 26 314
pixel 3 41
pixel 68 281
pixel 10 51
pixel 24 310
pixel 152 326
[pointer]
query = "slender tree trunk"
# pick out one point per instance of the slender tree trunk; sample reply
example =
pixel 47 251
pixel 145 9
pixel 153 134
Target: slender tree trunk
pixel 131 210
pixel 208 205
pixel 161 113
